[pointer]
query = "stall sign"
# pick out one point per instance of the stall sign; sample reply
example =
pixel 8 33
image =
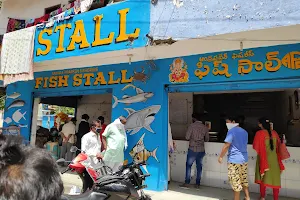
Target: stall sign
pixel 82 77
pixel 111 28
pixel 244 63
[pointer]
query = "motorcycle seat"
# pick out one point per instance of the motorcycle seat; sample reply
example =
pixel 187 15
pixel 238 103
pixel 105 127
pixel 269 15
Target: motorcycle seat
pixel 107 179
pixel 89 195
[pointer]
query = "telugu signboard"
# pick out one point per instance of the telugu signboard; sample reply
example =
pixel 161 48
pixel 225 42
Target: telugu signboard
pixel 106 29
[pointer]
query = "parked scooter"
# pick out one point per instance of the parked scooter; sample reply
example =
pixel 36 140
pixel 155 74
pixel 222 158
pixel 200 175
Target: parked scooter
pixel 85 168
pixel 127 183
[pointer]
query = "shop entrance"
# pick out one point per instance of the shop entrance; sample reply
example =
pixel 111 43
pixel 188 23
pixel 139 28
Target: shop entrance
pixel 281 106
pixel 46 110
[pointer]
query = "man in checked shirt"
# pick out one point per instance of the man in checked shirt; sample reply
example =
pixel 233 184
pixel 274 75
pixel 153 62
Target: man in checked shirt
pixel 196 134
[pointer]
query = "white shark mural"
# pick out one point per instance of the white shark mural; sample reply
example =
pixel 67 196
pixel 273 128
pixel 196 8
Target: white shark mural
pixel 140 96
pixel 136 120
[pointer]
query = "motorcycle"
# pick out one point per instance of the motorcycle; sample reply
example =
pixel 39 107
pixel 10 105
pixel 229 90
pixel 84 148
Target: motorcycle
pixel 84 166
pixel 127 183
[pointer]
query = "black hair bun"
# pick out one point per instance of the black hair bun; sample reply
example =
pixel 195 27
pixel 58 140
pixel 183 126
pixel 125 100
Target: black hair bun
pixel 10 150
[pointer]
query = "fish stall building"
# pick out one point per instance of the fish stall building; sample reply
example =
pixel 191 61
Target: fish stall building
pixel 119 60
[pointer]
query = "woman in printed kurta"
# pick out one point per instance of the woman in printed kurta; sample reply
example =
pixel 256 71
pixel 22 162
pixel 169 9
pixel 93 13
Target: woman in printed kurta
pixel 268 165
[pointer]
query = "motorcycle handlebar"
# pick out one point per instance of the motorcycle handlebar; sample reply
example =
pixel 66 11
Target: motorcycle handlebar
pixel 65 170
pixel 133 165
pixel 139 163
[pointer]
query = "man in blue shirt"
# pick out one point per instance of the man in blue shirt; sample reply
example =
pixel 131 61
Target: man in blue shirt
pixel 236 145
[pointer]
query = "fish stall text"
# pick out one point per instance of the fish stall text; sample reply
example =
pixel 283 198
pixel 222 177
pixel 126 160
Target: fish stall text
pixel 79 35
pixel 85 77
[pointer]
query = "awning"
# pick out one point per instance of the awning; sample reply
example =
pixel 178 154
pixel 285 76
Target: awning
pixel 236 86
pixel 70 101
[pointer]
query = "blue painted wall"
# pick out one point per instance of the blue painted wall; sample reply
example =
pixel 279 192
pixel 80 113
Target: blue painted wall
pixel 181 74
pixel 201 18
pixel 138 17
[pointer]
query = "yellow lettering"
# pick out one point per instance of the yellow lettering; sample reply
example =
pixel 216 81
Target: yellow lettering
pixel 87 78
pixel 61 29
pixel 198 72
pixel 79 36
pixel 53 82
pixel 45 82
pixel 124 77
pixel 98 41
pixel 290 61
pixel 242 64
pixel 38 82
pixel 111 79
pixel 272 56
pixel 216 71
pixel 63 81
pixel 123 36
pixel 46 42
pixel 77 80
pixel 100 79
pixel 258 66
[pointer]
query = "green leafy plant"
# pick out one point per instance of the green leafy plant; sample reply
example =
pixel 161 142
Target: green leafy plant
pixel 67 110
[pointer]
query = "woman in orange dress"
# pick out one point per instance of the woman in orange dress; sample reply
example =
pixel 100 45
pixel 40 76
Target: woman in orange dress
pixel 268 165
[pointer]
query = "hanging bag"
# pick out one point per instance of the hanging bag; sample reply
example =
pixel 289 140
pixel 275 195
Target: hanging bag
pixel 284 153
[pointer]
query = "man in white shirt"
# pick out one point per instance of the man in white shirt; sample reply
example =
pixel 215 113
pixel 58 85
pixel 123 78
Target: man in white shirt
pixel 91 145
pixel 68 135
pixel 90 142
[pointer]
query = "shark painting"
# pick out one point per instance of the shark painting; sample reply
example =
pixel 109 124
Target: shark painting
pixel 140 96
pixel 136 120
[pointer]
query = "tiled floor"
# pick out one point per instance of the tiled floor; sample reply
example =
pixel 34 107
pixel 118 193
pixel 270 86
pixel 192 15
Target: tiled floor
pixel 174 193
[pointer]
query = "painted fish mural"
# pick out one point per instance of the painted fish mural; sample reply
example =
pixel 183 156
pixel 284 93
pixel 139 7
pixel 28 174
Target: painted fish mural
pixel 140 96
pixel 8 120
pixel 136 120
pixel 14 95
pixel 140 154
pixel 16 104
pixel 17 116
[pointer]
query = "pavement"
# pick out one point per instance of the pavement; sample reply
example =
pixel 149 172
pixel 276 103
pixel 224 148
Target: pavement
pixel 174 192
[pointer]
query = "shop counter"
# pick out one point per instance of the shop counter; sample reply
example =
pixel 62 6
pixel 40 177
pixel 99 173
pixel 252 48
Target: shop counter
pixel 215 174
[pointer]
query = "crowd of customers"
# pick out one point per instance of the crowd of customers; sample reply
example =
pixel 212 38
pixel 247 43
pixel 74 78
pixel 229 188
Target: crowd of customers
pixel 23 169
pixel 266 143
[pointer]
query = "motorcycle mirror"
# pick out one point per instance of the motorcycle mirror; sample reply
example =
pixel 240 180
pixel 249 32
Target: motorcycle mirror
pixel 73 149
pixel 61 160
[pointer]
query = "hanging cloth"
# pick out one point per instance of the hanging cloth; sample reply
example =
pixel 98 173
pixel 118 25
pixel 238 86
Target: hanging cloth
pixel 14 25
pixel 17 56
pixel 85 5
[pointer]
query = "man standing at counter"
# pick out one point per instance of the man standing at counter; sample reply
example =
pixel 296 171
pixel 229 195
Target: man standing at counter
pixel 236 145
pixel 197 134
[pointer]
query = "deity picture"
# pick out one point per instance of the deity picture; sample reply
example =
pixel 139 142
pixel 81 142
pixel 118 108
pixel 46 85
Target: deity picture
pixel 179 73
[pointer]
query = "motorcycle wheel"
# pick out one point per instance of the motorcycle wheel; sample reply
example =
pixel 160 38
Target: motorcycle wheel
pixel 87 182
